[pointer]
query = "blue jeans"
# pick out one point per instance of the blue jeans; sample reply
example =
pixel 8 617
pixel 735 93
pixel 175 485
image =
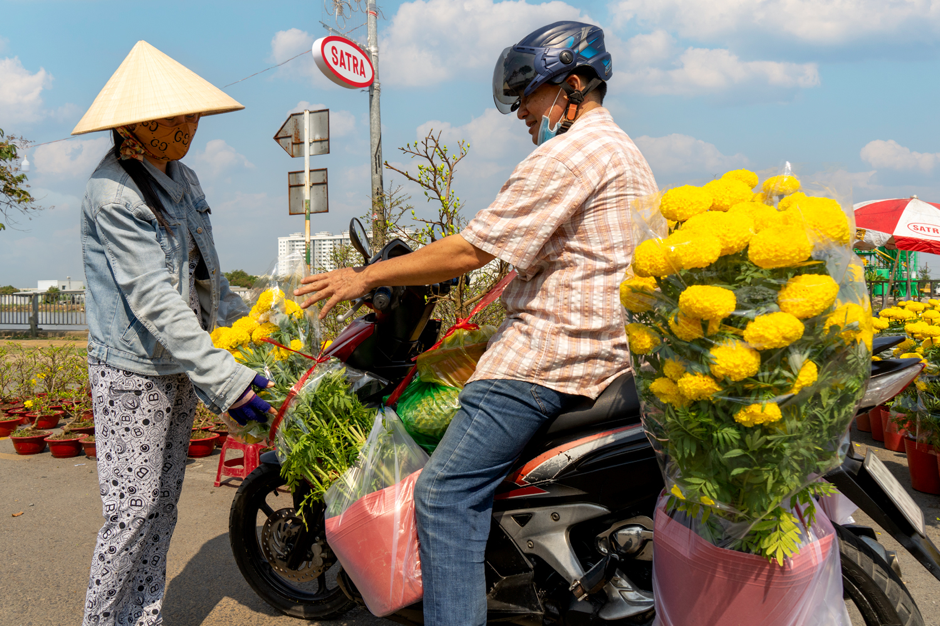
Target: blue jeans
pixel 454 494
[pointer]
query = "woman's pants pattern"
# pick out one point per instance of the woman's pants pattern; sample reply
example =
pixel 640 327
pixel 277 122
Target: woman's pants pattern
pixel 142 430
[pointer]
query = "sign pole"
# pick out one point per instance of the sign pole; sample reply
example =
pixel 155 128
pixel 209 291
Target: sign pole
pixel 375 132
pixel 307 189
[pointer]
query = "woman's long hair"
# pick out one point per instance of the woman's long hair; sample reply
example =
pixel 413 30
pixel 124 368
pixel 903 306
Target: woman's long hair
pixel 142 178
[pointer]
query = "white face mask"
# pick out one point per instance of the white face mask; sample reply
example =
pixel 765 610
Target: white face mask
pixel 545 132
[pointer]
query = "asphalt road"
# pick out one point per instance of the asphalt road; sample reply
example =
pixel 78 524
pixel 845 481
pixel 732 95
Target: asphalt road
pixel 46 551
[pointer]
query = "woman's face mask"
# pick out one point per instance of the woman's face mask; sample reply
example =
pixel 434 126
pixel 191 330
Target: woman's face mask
pixel 167 140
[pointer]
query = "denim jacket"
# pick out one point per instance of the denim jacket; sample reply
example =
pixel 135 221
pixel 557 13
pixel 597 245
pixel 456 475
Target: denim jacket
pixel 137 282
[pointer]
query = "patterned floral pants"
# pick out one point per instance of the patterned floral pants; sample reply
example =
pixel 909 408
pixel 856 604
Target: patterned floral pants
pixel 142 426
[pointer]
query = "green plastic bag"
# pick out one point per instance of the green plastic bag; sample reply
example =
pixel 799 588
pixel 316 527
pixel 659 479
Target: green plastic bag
pixel 426 410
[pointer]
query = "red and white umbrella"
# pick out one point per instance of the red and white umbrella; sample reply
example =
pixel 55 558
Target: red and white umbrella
pixel 914 224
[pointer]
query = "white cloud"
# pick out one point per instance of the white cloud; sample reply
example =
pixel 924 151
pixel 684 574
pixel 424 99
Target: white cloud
pixel 287 43
pixel 219 158
pixel 430 41
pixel 826 23
pixel 69 159
pixel 21 94
pixel 892 155
pixel 341 122
pixel 676 153
pixel 654 65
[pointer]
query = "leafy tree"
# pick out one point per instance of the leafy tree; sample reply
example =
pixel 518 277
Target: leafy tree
pixel 240 278
pixel 9 289
pixel 52 295
pixel 14 194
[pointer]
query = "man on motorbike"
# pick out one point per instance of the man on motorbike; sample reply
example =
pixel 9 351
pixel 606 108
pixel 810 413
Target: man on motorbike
pixel 563 221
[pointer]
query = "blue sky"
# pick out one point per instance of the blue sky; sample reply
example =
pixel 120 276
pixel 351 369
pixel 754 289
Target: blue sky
pixel 845 90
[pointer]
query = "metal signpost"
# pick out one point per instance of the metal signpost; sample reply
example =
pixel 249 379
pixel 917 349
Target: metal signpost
pixel 315 129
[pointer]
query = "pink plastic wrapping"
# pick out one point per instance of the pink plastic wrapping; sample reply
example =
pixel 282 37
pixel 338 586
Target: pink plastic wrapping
pixel 370 518
pixel 720 586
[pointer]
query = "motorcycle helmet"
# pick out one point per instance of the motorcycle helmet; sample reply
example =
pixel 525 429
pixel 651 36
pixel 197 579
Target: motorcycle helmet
pixel 549 55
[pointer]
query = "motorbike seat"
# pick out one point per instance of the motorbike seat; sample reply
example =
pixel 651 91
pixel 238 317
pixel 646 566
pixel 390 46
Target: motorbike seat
pixel 618 402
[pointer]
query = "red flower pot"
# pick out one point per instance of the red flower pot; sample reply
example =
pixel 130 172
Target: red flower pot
pixel 924 466
pixel 21 410
pixel 223 435
pixel 60 408
pixel 202 447
pixel 64 448
pixel 894 436
pixel 44 421
pixel 863 421
pixel 29 445
pixel 89 448
pixel 8 425
pixel 84 430
pixel 877 426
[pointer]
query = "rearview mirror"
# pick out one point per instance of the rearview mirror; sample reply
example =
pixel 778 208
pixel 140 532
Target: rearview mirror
pixel 359 239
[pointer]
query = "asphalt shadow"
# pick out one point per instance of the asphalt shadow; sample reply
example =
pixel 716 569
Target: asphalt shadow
pixel 209 577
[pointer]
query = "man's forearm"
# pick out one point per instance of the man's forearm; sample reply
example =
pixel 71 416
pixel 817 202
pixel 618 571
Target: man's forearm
pixel 442 260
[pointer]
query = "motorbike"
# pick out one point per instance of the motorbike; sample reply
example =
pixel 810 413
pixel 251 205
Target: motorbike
pixel 571 539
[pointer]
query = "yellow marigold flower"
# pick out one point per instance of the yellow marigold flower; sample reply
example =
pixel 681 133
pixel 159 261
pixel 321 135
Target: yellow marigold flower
pixel 686 328
pixel 933 302
pixel 779 247
pixel 911 355
pixel 263 331
pixel 707 302
pixel 293 309
pixel 847 315
pixel 734 360
pixel 780 185
pixel 919 350
pixel 642 340
pixel 668 392
pixel 879 323
pixel 734 232
pixel 930 314
pixel 747 177
pixel 773 330
pixel 238 337
pixel 247 324
pixel 649 259
pixel 807 295
pixel 824 216
pixel 218 337
pixel 673 369
pixel 794 200
pixel 927 344
pixel 683 202
pixel 921 385
pixel 636 294
pixel 931 331
pixel 296 344
pixel 763 198
pixel 756 414
pixel 728 192
pixel 916 307
pixel 692 250
pixel 762 216
pixel 805 377
pixel 698 386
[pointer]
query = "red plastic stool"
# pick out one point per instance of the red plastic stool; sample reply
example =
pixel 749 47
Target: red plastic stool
pixel 239 466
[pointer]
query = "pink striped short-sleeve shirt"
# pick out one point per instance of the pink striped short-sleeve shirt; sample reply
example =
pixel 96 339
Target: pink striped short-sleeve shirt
pixel 563 221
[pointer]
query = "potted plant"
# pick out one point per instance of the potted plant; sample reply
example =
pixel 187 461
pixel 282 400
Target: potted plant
pixel 41 413
pixel 202 443
pixel 88 445
pixel 221 430
pixel 65 444
pixel 9 423
pixel 29 440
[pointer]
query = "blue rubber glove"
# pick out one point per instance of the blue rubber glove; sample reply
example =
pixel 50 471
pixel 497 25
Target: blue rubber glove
pixel 251 407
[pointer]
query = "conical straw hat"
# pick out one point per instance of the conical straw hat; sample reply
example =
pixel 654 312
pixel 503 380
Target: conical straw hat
pixel 149 85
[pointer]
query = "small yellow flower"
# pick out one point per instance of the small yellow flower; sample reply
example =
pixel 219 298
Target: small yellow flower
pixel 707 302
pixel 773 330
pixel 28 404
pixel 780 185
pixel 642 340
pixel 649 259
pixel 668 392
pixel 673 369
pixel 698 386
pixel 734 360
pixel 706 501
pixel 677 492
pixel 756 414
pixel 636 294
pixel 805 377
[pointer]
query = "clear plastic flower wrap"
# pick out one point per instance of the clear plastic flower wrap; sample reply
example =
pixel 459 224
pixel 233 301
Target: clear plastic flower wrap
pixel 370 519
pixel 324 425
pixel 454 361
pixel 750 330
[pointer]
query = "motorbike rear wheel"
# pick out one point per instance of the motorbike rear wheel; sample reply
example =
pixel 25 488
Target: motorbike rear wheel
pixel 878 593
pixel 262 536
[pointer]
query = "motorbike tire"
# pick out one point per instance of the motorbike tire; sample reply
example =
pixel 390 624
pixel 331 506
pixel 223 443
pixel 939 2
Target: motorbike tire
pixel 265 581
pixel 878 592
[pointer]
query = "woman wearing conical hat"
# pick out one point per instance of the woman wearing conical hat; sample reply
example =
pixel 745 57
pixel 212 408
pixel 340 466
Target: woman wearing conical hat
pixel 154 289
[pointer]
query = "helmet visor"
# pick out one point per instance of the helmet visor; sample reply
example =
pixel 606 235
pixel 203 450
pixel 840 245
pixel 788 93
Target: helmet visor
pixel 514 71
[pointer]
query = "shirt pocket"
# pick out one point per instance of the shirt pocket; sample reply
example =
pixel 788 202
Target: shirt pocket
pixel 204 211
pixel 140 342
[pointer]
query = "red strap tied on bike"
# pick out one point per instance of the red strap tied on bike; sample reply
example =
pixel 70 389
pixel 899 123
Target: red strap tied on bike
pixel 464 324
pixel 320 358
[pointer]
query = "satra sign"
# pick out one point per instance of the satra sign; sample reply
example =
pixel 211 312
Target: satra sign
pixel 343 62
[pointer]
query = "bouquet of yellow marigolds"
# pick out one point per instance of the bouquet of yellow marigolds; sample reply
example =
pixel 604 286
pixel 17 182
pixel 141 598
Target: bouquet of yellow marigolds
pixel 750 330
pixel 274 317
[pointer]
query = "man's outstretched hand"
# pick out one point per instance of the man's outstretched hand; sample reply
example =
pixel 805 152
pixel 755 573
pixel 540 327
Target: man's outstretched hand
pixel 334 287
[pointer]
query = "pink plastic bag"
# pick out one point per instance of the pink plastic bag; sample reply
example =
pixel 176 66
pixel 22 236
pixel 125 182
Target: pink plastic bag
pixel 370 518
pixel 376 536
pixel 697 583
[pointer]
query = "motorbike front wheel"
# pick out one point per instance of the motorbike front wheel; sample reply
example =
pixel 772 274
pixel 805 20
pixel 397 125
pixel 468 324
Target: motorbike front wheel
pixel 263 529
pixel 876 591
